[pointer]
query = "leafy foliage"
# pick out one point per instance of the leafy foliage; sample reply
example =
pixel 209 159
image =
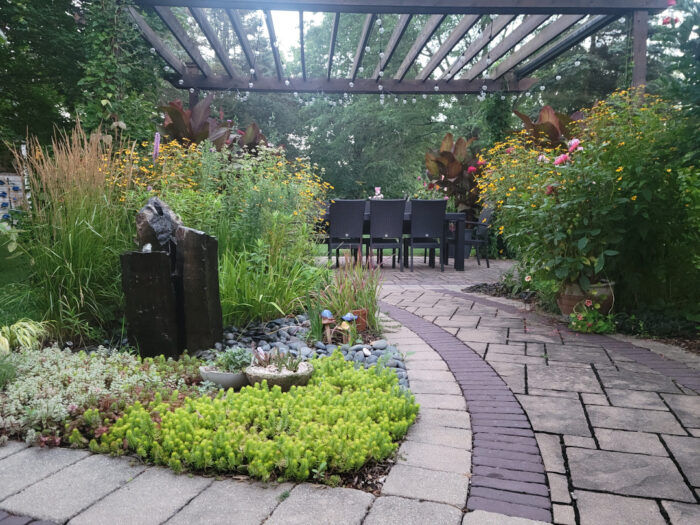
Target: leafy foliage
pixel 195 125
pixel 454 168
pixel 233 359
pixel 345 417
pixel 587 318
pixel 551 129
pixel 22 334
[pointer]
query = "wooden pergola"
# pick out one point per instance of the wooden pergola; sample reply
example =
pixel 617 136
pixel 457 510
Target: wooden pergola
pixel 521 37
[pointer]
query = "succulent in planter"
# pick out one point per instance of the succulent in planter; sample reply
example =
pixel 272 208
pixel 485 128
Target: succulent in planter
pixel 278 368
pixel 228 369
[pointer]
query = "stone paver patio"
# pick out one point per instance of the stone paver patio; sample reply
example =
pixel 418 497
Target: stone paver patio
pixel 560 428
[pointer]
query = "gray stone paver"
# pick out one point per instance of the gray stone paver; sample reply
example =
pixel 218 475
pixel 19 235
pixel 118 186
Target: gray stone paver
pixel 434 457
pixel 482 517
pixel 634 419
pixel 392 510
pixel 245 502
pixel 682 513
pixel 72 489
pixel 623 441
pixel 424 432
pixel 686 451
pixel 151 498
pixel 11 447
pixel 556 414
pixel 320 505
pixel 446 418
pixel 629 474
pixel 687 408
pixel 25 468
pixel 597 509
pixel 563 378
pixel 635 399
pixel 432 485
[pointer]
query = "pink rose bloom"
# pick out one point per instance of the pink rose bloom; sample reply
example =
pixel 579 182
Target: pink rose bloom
pixel 471 169
pixel 588 303
pixel 573 145
pixel 579 317
pixel 377 190
pixel 561 159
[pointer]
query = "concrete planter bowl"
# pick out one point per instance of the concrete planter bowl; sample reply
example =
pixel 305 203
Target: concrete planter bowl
pixel 284 378
pixel 235 380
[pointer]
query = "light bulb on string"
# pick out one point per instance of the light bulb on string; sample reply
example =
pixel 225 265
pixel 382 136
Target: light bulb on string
pixel 191 90
pixel 380 87
pixel 180 81
pixel 351 84
pixel 381 30
pixel 286 82
pixel 361 69
pixel 558 77
pixel 413 100
pixel 425 96
pixel 367 49
pixel 396 99
pixel 541 88
pixel 379 21
pixel 436 88
pixel 503 97
pixel 381 55
pixel 381 74
pixel 577 63
pixel 153 50
pixel 484 87
pixel 405 101
pixel 250 85
pixel 252 70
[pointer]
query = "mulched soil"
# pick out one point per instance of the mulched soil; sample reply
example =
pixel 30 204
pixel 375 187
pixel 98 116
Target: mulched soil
pixel 369 478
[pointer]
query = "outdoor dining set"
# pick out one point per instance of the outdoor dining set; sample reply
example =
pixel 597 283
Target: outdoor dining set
pixel 402 226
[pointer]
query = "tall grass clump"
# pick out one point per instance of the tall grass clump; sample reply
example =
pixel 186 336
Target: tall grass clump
pixel 354 287
pixel 273 276
pixel 75 229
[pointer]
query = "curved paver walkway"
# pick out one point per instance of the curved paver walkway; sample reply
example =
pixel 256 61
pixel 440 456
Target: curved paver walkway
pixel 617 425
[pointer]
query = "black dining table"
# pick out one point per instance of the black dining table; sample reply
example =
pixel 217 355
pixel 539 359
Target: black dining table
pixel 458 219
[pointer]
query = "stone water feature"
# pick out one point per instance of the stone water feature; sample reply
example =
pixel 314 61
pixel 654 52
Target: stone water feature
pixel 171 285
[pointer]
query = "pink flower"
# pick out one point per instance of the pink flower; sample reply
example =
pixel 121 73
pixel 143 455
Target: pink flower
pixel 561 159
pixel 573 145
pixel 510 150
pixel 671 3
pixel 446 197
pixel 543 158
pixel 588 303
pixel 666 20
pixel 528 278
pixel 377 190
pixel 579 317
pixel 471 169
pixel 549 190
pixel 481 162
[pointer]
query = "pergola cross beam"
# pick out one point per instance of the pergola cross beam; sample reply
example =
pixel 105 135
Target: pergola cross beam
pixel 530 45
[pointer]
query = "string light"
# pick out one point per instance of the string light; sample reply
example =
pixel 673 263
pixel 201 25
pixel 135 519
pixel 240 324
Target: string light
pixel 558 77
pixel 381 74
pixel 191 90
pixel 250 85
pixel 367 49
pixel 381 30
pixel 351 84
pixel 436 88
pixel 153 50
pixel 413 100
pixel 361 69
pixel 381 88
pixel 286 82
pixel 180 81
pixel 425 96
pixel 577 63
pixel 252 70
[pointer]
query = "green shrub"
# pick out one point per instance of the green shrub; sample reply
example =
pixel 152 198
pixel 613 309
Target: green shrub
pixel 233 359
pixel 7 371
pixel 344 418
pixel 618 202
pixel 25 333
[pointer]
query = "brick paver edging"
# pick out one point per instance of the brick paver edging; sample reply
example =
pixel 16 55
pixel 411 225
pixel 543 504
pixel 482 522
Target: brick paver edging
pixel 674 370
pixel 508 475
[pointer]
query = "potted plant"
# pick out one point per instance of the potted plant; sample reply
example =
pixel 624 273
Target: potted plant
pixel 228 369
pixel 277 368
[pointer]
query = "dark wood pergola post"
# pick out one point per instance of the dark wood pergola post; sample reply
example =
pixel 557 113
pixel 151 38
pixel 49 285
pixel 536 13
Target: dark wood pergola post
pixel 640 33
pixel 194 92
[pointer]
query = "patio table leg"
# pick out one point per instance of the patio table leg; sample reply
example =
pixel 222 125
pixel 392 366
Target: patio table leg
pixel 459 246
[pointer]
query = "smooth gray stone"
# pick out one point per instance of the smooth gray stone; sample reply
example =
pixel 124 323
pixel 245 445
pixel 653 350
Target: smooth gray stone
pixel 372 359
pixel 357 348
pixel 359 357
pixel 392 510
pixel 228 501
pixel 628 474
pixel 331 348
pixel 65 493
pixel 380 344
pixel 25 468
pixel 313 504
pixel 151 498
pixel 557 415
pixel 686 451
pixel 598 509
pixel 320 345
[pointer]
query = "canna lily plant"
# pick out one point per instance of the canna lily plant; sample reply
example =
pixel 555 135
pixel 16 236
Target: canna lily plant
pixel 454 169
pixel 551 129
pixel 195 125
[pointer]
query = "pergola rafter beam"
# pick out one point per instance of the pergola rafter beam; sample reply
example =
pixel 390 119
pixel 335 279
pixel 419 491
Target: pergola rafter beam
pixel 152 38
pixel 301 44
pixel 446 7
pixel 566 43
pixel 493 29
pixel 331 46
pixel 366 30
pixel 361 85
pixel 528 49
pixel 426 34
pixel 398 32
pixel 527 26
pixel 237 25
pixel 221 54
pixel 457 34
pixel 190 47
pixel 273 44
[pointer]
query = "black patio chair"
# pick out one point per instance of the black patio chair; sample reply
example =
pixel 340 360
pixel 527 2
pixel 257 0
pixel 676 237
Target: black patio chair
pixel 345 221
pixel 386 228
pixel 427 228
pixel 477 236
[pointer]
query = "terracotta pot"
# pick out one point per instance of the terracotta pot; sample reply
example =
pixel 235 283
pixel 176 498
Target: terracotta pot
pixel 572 294
pixel 361 321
